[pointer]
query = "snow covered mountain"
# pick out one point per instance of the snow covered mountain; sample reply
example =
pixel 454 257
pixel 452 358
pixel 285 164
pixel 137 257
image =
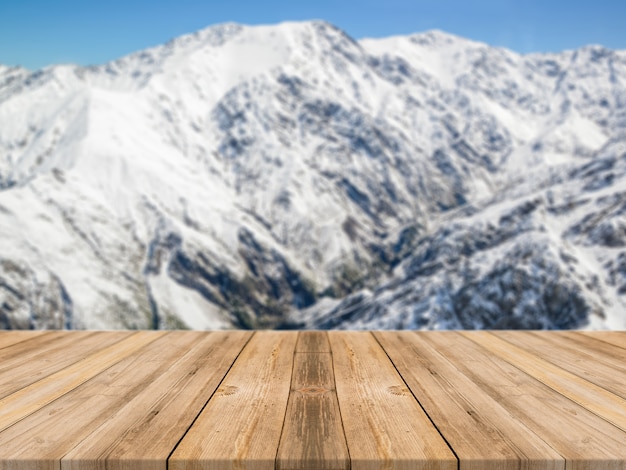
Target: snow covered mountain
pixel 288 176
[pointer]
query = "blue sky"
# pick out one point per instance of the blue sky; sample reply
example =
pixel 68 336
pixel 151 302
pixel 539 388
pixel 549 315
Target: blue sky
pixel 36 33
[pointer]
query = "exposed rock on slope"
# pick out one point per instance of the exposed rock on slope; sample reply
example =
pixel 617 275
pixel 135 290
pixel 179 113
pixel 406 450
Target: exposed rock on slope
pixel 290 176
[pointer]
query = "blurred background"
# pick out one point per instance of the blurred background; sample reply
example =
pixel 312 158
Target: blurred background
pixel 327 165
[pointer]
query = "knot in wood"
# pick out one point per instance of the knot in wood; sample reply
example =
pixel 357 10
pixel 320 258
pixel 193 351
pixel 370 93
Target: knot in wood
pixel 312 390
pixel 227 390
pixel 398 390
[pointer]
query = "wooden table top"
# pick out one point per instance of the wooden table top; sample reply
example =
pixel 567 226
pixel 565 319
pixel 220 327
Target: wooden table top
pixel 312 400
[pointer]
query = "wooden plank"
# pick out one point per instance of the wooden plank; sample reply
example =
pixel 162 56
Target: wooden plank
pixel 583 438
pixel 385 427
pixel 616 338
pixel 143 433
pixel 38 394
pixel 602 351
pixel 312 341
pixel 11 337
pixel 312 436
pixel 241 425
pixel 21 351
pixel 578 357
pixel 589 395
pixel 483 434
pixel 40 440
pixel 21 371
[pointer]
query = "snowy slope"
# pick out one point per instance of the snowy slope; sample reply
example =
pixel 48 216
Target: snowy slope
pixel 290 176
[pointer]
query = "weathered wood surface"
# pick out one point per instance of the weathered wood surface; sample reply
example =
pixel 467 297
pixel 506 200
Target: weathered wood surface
pixel 312 435
pixel 241 425
pixel 313 400
pixel 385 426
pixel 153 421
pixel 477 427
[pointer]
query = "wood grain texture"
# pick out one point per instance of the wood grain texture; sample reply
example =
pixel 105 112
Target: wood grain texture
pixel 385 427
pixel 312 436
pixel 483 434
pixel 241 425
pixel 313 341
pixel 21 351
pixel 312 400
pixel 606 353
pixel 583 438
pixel 616 338
pixel 39 361
pixel 42 438
pixel 9 338
pixel 577 356
pixel 589 395
pixel 144 432
pixel 27 400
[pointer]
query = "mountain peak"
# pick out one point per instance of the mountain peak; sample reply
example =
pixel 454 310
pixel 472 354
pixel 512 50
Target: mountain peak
pixel 238 175
pixel 435 37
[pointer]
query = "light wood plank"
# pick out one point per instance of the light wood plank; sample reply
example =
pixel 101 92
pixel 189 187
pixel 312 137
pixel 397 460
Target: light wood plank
pixel 483 434
pixel 143 433
pixel 44 437
pixel 39 362
pixel 385 427
pixel 11 337
pixel 584 439
pixel 21 351
pixel 241 425
pixel 616 338
pixel 576 357
pixel 589 395
pixel 312 436
pixel 602 351
pixel 313 341
pixel 38 394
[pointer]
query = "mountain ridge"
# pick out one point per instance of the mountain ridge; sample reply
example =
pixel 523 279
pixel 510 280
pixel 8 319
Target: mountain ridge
pixel 262 176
